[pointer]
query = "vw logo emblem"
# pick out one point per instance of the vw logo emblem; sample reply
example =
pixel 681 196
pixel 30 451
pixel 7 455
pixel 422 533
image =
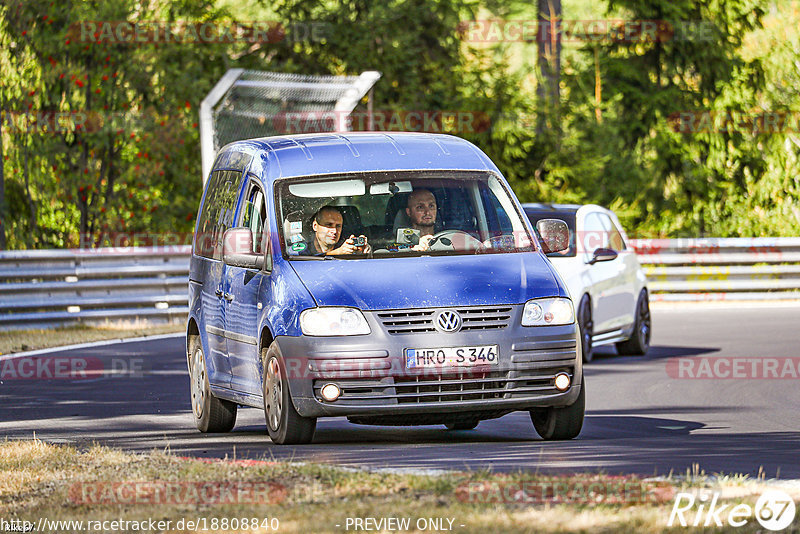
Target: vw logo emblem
pixel 448 321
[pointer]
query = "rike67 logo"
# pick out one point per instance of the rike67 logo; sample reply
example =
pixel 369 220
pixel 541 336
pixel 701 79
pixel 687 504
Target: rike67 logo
pixel 774 510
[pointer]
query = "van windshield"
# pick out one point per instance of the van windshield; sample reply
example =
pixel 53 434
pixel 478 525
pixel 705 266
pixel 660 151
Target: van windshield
pixel 391 214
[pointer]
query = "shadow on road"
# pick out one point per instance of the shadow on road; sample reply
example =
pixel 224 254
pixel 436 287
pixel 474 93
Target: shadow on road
pixel 606 360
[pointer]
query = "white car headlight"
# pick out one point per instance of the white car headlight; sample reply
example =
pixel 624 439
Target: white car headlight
pixel 333 322
pixel 548 312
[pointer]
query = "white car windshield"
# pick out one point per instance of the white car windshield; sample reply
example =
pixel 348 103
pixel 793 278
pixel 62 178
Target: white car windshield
pixel 391 214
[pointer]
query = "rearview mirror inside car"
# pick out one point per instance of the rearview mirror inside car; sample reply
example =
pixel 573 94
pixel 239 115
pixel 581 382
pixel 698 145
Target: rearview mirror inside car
pixel 554 234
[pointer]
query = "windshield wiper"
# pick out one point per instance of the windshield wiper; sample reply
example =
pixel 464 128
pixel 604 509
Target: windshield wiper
pixel 315 257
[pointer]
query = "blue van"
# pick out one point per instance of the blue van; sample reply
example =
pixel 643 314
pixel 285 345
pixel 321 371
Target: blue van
pixel 389 278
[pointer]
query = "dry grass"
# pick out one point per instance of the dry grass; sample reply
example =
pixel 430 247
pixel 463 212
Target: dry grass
pixel 22 340
pixel 41 480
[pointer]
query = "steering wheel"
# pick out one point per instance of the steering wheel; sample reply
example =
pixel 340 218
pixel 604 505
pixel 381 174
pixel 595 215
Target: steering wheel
pixel 454 239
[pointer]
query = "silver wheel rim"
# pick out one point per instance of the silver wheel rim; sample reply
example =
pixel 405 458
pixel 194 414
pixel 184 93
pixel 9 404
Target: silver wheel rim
pixel 273 398
pixel 198 383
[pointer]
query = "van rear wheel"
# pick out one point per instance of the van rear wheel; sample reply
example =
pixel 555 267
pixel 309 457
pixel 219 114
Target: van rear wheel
pixel 210 413
pixel 284 424
pixel 561 423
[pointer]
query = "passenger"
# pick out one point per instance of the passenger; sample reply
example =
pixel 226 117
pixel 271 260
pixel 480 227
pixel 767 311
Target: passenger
pixel 327 225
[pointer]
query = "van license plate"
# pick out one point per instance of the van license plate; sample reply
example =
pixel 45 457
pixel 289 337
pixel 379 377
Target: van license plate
pixel 452 357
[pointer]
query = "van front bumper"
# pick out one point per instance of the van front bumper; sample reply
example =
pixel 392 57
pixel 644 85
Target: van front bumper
pixel 371 372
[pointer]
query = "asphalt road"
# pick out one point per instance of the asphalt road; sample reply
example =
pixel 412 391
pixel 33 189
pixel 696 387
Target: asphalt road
pixel 641 416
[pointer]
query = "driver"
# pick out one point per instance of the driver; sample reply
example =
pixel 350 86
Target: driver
pixel 327 225
pixel 421 211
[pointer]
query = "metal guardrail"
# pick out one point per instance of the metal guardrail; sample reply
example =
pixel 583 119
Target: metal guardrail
pixel 762 268
pixel 40 288
pixel 51 287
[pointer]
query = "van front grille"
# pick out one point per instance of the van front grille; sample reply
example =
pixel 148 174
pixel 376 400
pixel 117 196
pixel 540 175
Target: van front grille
pixel 421 321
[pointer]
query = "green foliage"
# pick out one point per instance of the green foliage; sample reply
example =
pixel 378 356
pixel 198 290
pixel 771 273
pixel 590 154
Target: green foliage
pixel 103 135
pixel 133 165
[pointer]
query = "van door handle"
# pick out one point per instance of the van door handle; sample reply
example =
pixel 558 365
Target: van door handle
pixel 218 292
pixel 229 296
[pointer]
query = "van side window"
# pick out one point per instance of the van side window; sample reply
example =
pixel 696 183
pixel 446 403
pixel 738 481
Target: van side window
pixel 217 213
pixel 496 215
pixel 254 215
pixel 228 198
pixel 204 239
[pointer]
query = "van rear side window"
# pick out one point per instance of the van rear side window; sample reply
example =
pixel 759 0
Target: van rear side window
pixel 217 213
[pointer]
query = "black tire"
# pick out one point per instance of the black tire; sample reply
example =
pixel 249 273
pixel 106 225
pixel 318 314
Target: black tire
pixel 586 326
pixel 284 425
pixel 639 342
pixel 462 425
pixel 210 413
pixel 561 423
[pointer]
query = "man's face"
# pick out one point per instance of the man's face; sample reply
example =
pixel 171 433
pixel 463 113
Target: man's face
pixel 422 209
pixel 329 229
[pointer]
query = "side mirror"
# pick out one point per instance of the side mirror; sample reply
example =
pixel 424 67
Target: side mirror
pixel 602 254
pixel 554 234
pixel 237 249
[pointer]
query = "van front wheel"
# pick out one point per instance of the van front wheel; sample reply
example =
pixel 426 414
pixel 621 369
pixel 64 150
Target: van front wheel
pixel 561 423
pixel 284 424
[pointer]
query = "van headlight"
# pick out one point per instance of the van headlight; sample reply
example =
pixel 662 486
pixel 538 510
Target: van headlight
pixel 333 322
pixel 548 312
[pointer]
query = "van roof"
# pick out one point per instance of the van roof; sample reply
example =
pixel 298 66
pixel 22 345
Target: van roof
pixel 333 153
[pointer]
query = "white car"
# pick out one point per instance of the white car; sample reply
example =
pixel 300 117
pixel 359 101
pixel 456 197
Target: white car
pixel 603 276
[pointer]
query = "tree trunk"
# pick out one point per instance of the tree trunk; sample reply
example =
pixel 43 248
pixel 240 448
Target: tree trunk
pixel 32 223
pixel 2 181
pixel 549 58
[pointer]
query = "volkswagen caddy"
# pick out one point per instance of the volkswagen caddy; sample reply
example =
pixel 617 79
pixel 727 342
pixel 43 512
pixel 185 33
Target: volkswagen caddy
pixel 389 278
